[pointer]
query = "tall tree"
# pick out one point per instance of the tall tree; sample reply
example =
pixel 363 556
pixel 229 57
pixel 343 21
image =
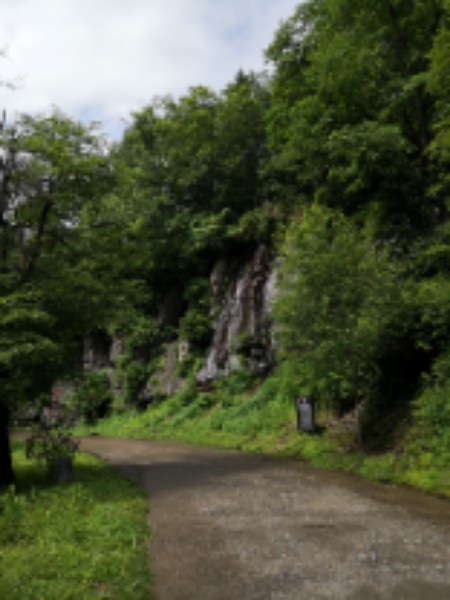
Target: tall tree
pixel 240 144
pixel 350 95
pixel 335 292
pixel 54 173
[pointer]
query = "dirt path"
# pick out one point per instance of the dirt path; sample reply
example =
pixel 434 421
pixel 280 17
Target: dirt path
pixel 229 526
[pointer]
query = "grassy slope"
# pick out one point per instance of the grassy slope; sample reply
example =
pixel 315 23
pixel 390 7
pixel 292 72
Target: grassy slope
pixel 263 421
pixel 83 541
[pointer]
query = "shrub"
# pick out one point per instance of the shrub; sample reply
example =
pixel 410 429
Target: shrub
pixel 52 443
pixel 195 326
pixel 432 415
pixel 93 397
pixel 134 375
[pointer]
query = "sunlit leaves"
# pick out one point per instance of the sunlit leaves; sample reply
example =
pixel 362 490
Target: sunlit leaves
pixel 334 294
pixel 350 121
pixel 53 274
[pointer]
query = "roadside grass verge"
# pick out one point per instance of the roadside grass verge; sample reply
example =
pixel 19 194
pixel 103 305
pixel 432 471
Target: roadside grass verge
pixel 83 541
pixel 261 418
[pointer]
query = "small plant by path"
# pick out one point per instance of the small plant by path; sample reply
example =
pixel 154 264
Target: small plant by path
pixel 55 447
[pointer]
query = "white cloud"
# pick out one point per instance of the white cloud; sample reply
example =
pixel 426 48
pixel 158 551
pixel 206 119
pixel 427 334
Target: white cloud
pixel 101 59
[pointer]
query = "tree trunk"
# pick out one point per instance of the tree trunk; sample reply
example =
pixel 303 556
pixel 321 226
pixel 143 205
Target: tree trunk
pixel 6 470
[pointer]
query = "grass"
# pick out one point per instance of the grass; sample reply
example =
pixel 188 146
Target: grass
pixel 86 540
pixel 262 419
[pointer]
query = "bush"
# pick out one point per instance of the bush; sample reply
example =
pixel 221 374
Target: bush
pixel 236 382
pixel 56 448
pixel 432 415
pixel 134 375
pixel 195 327
pixel 93 397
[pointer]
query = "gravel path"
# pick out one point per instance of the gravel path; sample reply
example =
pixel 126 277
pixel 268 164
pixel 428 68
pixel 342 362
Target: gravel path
pixel 231 526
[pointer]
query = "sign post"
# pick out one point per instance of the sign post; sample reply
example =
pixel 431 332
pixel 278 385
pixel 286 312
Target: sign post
pixel 305 414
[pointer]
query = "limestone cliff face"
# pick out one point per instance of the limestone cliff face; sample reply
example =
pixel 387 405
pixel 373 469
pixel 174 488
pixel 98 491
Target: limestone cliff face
pixel 242 327
pixel 242 293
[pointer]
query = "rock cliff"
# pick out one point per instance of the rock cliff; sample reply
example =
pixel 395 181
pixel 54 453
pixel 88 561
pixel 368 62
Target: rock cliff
pixel 241 303
pixel 241 295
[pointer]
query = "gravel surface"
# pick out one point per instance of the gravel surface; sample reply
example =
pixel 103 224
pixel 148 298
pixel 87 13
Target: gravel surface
pixel 233 526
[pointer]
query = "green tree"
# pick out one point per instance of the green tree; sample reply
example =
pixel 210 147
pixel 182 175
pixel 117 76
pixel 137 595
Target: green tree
pixel 240 145
pixel 54 173
pixel 350 121
pixel 168 155
pixel 193 168
pixel 335 292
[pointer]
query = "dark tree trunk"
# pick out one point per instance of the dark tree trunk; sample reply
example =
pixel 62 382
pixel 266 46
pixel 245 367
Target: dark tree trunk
pixel 6 470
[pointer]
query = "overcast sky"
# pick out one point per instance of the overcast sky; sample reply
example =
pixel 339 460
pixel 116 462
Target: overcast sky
pixel 98 60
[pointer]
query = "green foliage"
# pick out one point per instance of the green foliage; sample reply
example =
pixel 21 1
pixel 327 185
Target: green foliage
pixel 50 444
pixel 430 433
pixel 431 298
pixel 133 375
pixel 195 326
pixel 29 352
pixel 139 332
pixel 65 174
pixel 188 392
pixel 93 396
pixel 335 289
pixel 358 140
pixel 142 337
pixel 258 224
pixel 54 172
pixel 86 540
pixel 433 415
pixel 235 383
pixel 438 84
pixel 240 144
pixel 193 169
pixel 426 447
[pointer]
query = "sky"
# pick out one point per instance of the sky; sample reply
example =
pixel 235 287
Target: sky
pixel 100 60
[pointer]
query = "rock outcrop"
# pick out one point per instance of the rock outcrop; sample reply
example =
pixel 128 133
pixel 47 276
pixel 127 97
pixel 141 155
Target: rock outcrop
pixel 242 292
pixel 242 332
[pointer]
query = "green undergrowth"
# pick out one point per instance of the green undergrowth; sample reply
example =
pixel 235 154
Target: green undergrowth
pixel 261 418
pixel 86 540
